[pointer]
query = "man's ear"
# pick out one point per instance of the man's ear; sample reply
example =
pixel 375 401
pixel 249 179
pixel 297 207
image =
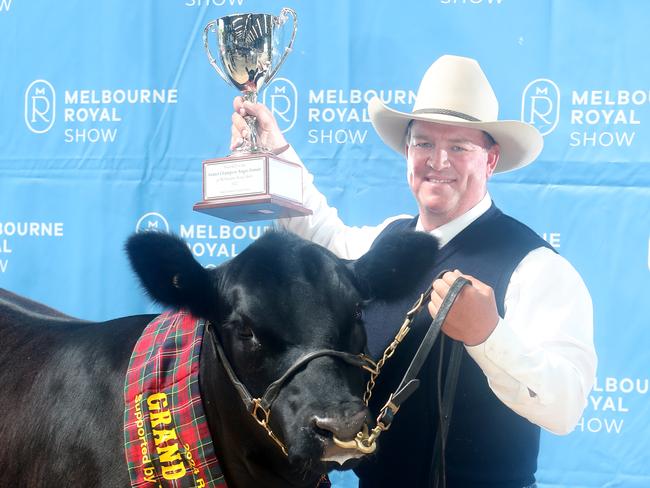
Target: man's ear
pixel 170 274
pixel 492 159
pixel 394 260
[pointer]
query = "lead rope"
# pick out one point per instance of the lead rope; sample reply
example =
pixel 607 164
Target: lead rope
pixel 399 337
pixel 364 441
pixel 437 472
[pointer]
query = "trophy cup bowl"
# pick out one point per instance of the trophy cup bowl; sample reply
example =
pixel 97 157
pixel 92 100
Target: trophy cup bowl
pixel 252 183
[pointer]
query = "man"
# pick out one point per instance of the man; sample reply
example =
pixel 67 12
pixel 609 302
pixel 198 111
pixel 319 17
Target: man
pixel 525 322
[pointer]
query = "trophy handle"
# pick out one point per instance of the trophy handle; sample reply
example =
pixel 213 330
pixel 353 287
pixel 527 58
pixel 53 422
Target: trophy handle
pixel 211 58
pixel 281 19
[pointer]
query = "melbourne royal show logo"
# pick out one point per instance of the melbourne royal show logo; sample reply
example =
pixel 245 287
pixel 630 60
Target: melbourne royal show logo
pixel 281 96
pixel 152 221
pixel 540 105
pixel 40 106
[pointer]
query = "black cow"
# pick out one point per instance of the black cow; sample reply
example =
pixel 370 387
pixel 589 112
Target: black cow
pixel 61 406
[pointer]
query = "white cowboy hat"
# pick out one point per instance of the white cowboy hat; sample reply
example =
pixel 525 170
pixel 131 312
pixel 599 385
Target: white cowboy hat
pixel 455 91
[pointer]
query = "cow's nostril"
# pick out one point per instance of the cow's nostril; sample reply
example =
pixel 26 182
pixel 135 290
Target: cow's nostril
pixel 327 434
pixel 344 427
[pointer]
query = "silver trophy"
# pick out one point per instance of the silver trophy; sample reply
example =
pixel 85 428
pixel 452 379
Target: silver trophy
pixel 252 183
pixel 248 52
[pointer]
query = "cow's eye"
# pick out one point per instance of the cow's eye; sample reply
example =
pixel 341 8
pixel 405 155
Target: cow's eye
pixel 244 331
pixel 241 326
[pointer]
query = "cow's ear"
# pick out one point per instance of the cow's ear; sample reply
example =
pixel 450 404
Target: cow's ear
pixel 170 274
pixel 393 262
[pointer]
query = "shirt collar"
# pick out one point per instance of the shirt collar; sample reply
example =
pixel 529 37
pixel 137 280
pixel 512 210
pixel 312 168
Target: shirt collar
pixel 448 231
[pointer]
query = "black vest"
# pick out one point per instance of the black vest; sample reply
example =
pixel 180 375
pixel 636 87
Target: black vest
pixel 488 444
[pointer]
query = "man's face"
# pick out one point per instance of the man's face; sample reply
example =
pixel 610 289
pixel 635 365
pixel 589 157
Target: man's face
pixel 448 169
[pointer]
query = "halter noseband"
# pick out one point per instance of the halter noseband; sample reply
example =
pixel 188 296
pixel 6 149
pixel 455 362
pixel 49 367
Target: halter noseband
pixel 260 408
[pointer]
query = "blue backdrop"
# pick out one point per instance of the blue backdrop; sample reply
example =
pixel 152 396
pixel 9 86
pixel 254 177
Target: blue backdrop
pixel 108 108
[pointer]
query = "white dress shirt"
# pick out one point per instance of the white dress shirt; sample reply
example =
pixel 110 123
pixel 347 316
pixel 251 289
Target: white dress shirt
pixel 540 359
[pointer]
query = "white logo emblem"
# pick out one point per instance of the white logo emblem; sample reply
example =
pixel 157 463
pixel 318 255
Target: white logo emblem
pixel 152 221
pixel 40 106
pixel 540 105
pixel 281 96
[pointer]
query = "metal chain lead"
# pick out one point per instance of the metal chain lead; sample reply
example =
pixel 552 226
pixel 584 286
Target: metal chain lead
pixel 365 441
pixel 399 337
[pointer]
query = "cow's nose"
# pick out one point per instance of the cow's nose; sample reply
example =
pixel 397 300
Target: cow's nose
pixel 344 427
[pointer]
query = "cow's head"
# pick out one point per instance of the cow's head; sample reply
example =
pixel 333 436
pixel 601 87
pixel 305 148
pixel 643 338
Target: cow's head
pixel 280 299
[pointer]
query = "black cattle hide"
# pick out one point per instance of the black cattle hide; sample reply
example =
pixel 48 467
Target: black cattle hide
pixel 61 407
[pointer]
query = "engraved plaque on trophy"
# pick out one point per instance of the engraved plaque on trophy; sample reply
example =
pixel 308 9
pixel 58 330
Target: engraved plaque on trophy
pixel 252 183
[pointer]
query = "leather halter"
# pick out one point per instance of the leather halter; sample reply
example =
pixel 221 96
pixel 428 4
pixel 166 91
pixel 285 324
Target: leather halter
pixel 260 408
pixel 364 441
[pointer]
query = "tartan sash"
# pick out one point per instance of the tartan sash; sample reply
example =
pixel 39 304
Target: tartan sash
pixel 167 441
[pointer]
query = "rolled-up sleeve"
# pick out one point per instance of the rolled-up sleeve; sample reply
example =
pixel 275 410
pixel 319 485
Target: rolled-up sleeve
pixel 540 360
